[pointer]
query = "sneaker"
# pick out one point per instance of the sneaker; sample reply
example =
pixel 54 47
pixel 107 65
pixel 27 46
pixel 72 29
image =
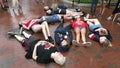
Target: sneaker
pixel 51 40
pixel 87 16
pixel 78 10
pixel 99 15
pixel 19 26
pixel 118 23
pixel 74 42
pixel 87 44
pixel 109 18
pixel 47 40
pixel 12 33
pixel 21 30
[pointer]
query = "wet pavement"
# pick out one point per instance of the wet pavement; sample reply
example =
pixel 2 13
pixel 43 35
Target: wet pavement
pixel 12 53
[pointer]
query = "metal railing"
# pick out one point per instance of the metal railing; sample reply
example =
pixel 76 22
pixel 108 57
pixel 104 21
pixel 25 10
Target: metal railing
pixel 89 1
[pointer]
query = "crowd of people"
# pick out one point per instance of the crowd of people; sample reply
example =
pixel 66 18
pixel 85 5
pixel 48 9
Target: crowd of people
pixel 48 49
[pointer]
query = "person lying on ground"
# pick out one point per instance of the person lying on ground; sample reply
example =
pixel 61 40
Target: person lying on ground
pixel 52 19
pixel 80 28
pixel 98 33
pixel 35 25
pixel 39 50
pixel 63 36
pixel 51 11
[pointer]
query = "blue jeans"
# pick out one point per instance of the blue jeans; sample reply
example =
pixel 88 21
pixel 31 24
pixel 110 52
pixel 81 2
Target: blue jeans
pixel 93 26
pixel 94 6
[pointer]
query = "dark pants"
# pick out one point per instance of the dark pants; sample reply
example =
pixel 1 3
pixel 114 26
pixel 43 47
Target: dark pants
pixel 94 6
pixel 30 42
pixel 117 8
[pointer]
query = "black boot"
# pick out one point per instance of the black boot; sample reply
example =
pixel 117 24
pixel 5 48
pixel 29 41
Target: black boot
pixel 47 40
pixel 12 34
pixel 51 40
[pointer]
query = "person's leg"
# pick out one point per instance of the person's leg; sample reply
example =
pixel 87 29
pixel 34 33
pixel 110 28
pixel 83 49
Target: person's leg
pixel 26 34
pixel 103 7
pixel 46 28
pixel 2 4
pixel 48 32
pixel 92 21
pixel 77 33
pixel 83 34
pixel 96 21
pixel 69 12
pixel 39 27
pixel 116 10
pixel 19 38
pixel 93 6
pixel 108 5
pixel 68 17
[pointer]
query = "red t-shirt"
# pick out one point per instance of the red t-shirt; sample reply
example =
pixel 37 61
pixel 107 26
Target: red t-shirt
pixel 29 22
pixel 79 23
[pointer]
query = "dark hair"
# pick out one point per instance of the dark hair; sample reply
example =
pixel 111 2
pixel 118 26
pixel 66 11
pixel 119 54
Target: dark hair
pixel 84 14
pixel 66 47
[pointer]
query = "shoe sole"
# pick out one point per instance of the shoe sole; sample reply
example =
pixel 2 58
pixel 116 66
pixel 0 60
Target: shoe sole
pixel 75 43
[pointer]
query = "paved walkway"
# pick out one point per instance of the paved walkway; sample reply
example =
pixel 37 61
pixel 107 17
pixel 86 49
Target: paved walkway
pixel 12 53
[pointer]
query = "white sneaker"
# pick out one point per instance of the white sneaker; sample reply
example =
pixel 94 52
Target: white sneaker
pixel 87 44
pixel 87 16
pixel 109 18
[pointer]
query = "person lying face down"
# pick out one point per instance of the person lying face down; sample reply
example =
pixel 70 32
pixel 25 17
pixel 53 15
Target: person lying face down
pixel 63 37
pixel 39 50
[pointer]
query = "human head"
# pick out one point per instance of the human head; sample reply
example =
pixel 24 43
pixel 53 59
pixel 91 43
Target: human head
pixel 105 42
pixel 46 8
pixel 58 58
pixel 49 11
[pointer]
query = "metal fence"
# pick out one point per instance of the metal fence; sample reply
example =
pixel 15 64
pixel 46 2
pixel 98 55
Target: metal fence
pixel 89 1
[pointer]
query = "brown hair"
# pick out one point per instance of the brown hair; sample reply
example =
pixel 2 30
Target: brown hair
pixel 68 41
pixel 107 43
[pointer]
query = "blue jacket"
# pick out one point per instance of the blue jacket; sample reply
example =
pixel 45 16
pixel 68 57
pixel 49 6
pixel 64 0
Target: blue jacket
pixel 60 34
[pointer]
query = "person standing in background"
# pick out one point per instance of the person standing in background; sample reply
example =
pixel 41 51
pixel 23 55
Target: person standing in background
pixel 93 7
pixel 116 10
pixel 102 8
